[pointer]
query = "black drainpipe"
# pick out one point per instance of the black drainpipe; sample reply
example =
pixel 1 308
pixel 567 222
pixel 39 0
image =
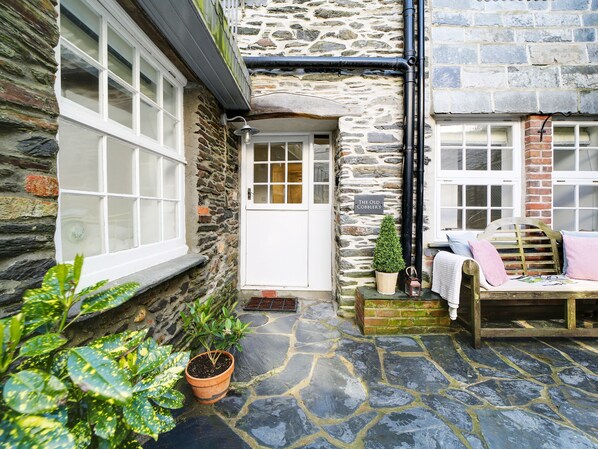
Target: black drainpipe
pixel 421 123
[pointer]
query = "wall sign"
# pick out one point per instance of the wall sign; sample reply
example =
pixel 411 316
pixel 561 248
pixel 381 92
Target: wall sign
pixel 369 204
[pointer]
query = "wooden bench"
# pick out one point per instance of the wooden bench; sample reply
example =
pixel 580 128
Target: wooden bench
pixel 527 247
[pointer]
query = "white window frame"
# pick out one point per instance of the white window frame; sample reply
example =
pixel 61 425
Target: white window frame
pixel 575 178
pixel 476 177
pixel 126 262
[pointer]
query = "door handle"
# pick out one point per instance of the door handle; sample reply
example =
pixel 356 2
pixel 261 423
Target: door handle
pixel 249 193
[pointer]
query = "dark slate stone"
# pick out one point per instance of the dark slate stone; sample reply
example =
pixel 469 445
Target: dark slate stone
pixel 414 428
pixel 443 352
pixel 507 392
pixel 278 324
pixel 381 396
pixel 314 337
pixel 307 35
pixel 463 396
pixel 579 407
pixel 199 432
pixel 579 354
pixel 276 422
pixel 348 430
pixel 332 392
pixel 38 146
pixel 489 372
pixel 416 373
pixel 450 410
pixel 364 358
pixel 256 319
pixel 14 246
pixel 545 410
pixel 522 360
pixel 350 328
pixel 261 353
pixel 320 443
pixel 506 429
pixel 297 369
pixel 446 77
pixel 319 311
pixel 544 352
pixel 398 344
pixel 27 269
pixel 474 441
pixel 484 355
pixel 232 403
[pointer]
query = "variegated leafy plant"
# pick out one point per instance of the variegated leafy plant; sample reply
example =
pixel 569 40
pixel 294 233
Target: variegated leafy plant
pixel 94 396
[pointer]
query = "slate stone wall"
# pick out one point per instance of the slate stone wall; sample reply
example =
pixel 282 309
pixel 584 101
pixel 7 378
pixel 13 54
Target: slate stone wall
pixel 514 56
pixel 368 146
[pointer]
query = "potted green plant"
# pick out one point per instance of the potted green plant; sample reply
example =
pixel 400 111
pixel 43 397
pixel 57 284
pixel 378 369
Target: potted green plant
pixel 388 257
pixel 215 329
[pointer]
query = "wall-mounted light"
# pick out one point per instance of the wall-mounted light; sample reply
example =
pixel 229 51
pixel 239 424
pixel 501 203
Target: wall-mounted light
pixel 542 130
pixel 245 131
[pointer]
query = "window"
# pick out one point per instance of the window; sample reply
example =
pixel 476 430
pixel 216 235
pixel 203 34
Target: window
pixel 575 176
pixel 120 163
pixel 478 175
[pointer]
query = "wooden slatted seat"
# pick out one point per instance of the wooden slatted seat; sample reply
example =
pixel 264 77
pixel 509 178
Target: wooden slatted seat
pixel 527 247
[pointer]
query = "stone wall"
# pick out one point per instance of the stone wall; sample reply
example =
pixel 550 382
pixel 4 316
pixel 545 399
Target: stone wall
pixel 514 56
pixel 368 147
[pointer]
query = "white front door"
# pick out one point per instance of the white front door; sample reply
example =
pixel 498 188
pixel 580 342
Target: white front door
pixel 287 229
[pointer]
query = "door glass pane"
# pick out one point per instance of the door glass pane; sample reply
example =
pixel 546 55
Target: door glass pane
pixel 295 194
pixel 476 159
pixel 260 152
pixel 79 81
pixel 120 167
pixel 564 160
pixel 295 151
pixel 564 219
pixel 277 152
pixel 120 103
pixel 294 172
pixel 121 224
pixel 149 174
pixel 564 196
pixel 260 173
pixel 169 98
pixel 321 194
pixel 170 133
pixel 171 220
pixel 476 135
pixel 120 56
pixel 321 148
pixel 79 158
pixel 260 194
pixel 149 120
pixel 277 172
pixel 80 26
pixel 148 80
pixel 588 219
pixel 277 194
pixel 588 196
pixel 451 219
pixel 81 226
pixel 150 221
pixel 451 159
pixel 476 196
pixel 476 219
pixel 171 179
pixel 321 172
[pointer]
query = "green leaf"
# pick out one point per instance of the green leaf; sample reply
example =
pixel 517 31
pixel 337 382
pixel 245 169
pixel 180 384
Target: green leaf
pixel 168 374
pixel 142 418
pixel 92 288
pixel 11 331
pixel 119 344
pixel 41 306
pixel 109 298
pixel 34 432
pixel 92 370
pixel 77 268
pixel 150 355
pixel 34 391
pixel 103 417
pixel 42 344
pixel 82 434
pixel 170 399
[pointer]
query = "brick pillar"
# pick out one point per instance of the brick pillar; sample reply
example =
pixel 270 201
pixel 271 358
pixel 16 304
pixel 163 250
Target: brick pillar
pixel 538 169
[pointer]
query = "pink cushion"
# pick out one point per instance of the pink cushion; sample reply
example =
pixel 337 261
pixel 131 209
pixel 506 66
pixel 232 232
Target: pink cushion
pixel 581 257
pixel 489 260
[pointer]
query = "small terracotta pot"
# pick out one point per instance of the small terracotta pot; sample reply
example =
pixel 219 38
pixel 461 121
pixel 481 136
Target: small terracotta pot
pixel 211 389
pixel 386 283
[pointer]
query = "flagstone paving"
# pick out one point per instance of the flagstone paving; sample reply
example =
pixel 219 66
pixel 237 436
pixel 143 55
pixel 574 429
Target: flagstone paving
pixel 310 380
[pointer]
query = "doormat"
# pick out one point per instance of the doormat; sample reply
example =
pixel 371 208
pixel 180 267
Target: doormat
pixel 271 304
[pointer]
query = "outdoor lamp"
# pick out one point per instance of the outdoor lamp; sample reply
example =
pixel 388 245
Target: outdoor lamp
pixel 413 287
pixel 245 131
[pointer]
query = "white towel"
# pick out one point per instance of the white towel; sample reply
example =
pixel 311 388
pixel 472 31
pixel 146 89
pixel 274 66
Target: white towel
pixel 446 279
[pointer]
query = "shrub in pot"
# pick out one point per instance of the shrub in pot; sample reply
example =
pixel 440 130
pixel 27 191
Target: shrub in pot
pixel 99 395
pixel 214 327
pixel 388 257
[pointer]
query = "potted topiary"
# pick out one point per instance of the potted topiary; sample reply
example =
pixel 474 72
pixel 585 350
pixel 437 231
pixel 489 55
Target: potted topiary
pixel 388 257
pixel 216 330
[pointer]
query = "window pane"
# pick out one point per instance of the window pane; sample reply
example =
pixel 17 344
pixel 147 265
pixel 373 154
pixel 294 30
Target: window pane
pixel 295 151
pixel 80 26
pixel 588 136
pixel 321 148
pixel 170 220
pixel 148 80
pixel 260 152
pixel 451 195
pixel 564 196
pixel 321 194
pixel 81 226
pixel 588 220
pixel 277 172
pixel 150 221
pixel 563 136
pixel 502 213
pixel 295 194
pixel 588 160
pixel 120 56
pixel 170 131
pixel 501 159
pixel 321 172
pixel 277 194
pixel 79 158
pixel 451 159
pixel 120 103
pixel 564 219
pixel 476 219
pixel 121 224
pixel 501 196
pixel 564 160
pixel 476 135
pixel 476 159
pixel 260 194
pixel 171 182
pixel 149 174
pixel 588 196
pixel 149 120
pixel 277 152
pixel 169 98
pixel 295 172
pixel 120 167
pixel 451 135
pixel 451 219
pixel 501 136
pixel 476 196
pixel 260 173
pixel 79 81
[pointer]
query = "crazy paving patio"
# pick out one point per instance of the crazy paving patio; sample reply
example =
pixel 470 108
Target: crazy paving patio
pixel 310 380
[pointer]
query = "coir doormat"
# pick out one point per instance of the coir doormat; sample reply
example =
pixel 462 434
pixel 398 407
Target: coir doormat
pixel 271 304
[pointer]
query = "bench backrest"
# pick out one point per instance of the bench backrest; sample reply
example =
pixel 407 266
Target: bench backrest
pixel 526 245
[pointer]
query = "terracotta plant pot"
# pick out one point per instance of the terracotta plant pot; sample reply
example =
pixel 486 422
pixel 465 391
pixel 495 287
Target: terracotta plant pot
pixel 211 389
pixel 386 283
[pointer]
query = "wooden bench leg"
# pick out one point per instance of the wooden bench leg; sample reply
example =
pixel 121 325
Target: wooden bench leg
pixel 570 315
pixel 476 322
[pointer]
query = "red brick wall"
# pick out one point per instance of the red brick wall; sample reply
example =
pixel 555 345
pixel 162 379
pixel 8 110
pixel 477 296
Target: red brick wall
pixel 538 169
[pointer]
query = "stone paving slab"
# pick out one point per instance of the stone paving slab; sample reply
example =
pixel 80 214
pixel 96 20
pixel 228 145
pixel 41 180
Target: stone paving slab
pixel 310 380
